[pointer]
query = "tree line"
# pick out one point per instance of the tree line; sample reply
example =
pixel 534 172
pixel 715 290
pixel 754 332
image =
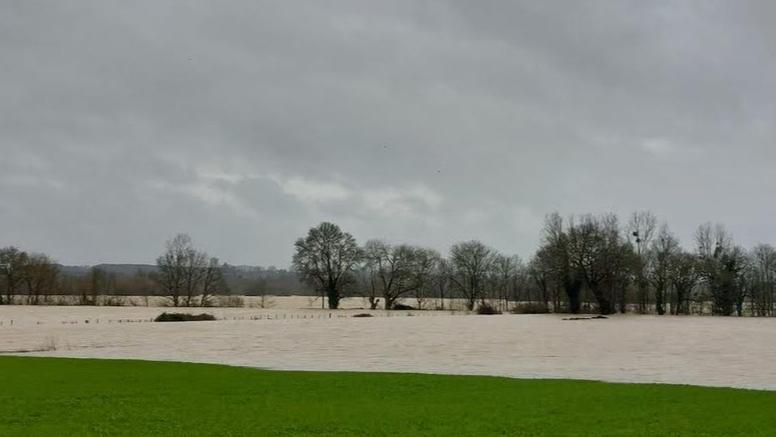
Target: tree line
pixel 184 275
pixel 583 263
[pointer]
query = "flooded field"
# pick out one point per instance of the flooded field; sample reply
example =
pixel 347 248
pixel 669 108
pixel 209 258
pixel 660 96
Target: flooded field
pixel 712 351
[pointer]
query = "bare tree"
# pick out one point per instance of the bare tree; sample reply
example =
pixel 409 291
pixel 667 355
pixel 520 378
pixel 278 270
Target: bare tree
pixel 40 276
pixel 194 268
pixel 641 230
pixel 326 258
pixel 662 254
pixel 711 239
pixel 213 282
pixel 423 269
pixel 557 259
pixel 186 274
pixel 261 290
pixel 441 280
pixel 389 269
pixel 763 280
pixel 723 268
pixel 399 270
pixel 504 279
pixel 471 262
pixel 685 274
pixel 367 283
pixel 597 251
pixel 97 279
pixel 541 272
pixel 12 267
pixel 172 267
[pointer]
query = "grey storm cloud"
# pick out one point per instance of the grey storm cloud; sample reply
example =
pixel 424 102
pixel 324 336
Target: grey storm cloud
pixel 244 123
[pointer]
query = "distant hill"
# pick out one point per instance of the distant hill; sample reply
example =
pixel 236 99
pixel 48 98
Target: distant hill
pixel 118 269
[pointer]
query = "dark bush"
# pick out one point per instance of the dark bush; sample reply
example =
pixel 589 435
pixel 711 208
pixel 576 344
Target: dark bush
pixel 487 309
pixel 402 307
pixel 585 318
pixel 183 317
pixel 362 315
pixel 530 308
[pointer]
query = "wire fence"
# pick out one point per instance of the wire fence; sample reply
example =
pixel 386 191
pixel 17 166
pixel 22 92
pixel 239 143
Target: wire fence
pixel 263 316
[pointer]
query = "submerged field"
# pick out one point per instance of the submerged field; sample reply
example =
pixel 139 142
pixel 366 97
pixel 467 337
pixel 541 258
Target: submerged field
pixel 711 351
pixel 54 396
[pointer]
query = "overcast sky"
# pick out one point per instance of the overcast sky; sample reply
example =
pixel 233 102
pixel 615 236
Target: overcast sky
pixel 243 123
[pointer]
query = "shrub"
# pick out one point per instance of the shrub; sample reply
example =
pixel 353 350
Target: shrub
pixel 362 315
pixel 487 309
pixel 401 307
pixel 530 308
pixel 183 317
pixel 585 318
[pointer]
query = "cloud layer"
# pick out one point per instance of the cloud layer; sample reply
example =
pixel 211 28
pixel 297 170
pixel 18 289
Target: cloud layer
pixel 243 123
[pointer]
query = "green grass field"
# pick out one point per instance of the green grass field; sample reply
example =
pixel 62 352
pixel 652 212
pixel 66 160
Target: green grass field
pixel 59 397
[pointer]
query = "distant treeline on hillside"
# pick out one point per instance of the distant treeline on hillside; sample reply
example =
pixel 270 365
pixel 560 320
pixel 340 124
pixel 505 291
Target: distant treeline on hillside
pixel 40 277
pixel 133 279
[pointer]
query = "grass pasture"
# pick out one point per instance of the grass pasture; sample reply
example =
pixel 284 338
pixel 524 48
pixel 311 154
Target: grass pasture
pixel 56 396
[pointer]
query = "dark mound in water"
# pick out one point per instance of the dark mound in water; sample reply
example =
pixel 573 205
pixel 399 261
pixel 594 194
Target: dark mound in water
pixel 184 317
pixel 585 318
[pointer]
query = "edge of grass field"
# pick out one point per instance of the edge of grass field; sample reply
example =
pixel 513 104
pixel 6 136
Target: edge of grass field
pixel 386 373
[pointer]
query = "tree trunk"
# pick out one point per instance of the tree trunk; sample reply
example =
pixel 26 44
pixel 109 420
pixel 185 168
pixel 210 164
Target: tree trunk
pixel 333 297
pixel 605 306
pixel 604 303
pixel 573 292
pixel 659 307
pixel 676 304
pixel 622 304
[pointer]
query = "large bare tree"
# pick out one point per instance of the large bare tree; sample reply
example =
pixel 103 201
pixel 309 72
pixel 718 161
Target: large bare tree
pixel 184 273
pixel 187 274
pixel 391 267
pixel 326 258
pixel 597 251
pixel 723 268
pixel 558 259
pixel 399 270
pixel 172 267
pixel 471 262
